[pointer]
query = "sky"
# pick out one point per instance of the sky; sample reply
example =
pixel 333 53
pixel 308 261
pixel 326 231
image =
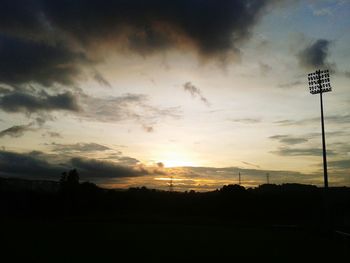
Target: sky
pixel 133 93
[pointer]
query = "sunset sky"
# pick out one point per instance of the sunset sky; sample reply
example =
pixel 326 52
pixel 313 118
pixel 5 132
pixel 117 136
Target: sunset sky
pixel 131 93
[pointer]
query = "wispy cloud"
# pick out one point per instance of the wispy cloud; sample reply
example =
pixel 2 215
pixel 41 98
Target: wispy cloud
pixel 286 151
pixel 17 130
pixel 134 107
pixel 247 120
pixel 333 119
pixel 251 164
pixel 101 79
pixel 288 139
pixel 340 164
pixel 78 147
pixel 52 134
pixel 195 92
pixel 291 84
pixel 264 68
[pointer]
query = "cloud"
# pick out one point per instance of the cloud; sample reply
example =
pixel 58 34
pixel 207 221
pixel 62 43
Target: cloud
pixel 288 139
pixel 247 120
pixel 286 151
pixel 48 42
pixel 31 165
pixel 315 55
pixel 79 147
pixel 264 68
pixel 128 161
pixel 101 79
pixel 25 61
pixel 126 107
pixel 155 25
pixel 38 165
pixel 322 12
pixel 160 165
pixel 251 164
pixel 339 164
pixel 291 84
pixel 332 119
pixel 52 134
pixel 194 91
pixel 105 169
pixel 16 130
pixel 39 105
pixel 26 102
pixel 148 128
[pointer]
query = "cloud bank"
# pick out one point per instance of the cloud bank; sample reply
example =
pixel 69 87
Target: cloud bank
pixel 315 55
pixel 47 42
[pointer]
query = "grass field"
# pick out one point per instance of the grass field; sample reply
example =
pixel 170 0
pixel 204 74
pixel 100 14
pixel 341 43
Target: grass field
pixel 107 241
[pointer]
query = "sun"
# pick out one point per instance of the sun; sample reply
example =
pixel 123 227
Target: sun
pixel 175 159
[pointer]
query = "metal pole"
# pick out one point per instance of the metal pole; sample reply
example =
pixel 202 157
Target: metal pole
pixel 325 174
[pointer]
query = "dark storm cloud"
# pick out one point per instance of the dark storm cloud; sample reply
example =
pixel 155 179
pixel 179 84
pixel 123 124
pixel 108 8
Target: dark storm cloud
pixel 288 140
pixel 38 165
pixel 26 61
pixel 194 91
pixel 52 42
pixel 315 55
pixel 105 169
pixel 16 130
pixel 156 24
pixel 19 101
pixel 30 165
pixel 144 26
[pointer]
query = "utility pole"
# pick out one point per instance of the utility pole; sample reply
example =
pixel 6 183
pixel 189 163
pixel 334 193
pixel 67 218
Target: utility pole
pixel 171 185
pixel 267 178
pixel 319 83
pixel 239 178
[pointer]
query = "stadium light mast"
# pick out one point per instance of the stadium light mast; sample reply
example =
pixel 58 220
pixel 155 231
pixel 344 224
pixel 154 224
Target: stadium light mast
pixel 319 83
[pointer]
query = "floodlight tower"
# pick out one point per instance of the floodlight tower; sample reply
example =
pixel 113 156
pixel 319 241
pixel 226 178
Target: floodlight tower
pixel 319 83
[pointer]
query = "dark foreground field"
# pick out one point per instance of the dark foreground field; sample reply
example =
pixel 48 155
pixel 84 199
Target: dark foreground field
pixel 87 224
pixel 99 241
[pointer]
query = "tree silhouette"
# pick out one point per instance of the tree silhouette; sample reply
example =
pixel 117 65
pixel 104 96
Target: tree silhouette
pixel 70 180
